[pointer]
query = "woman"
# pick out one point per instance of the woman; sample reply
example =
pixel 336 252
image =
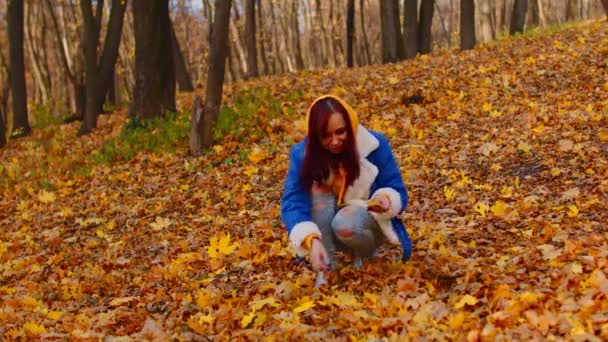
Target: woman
pixel 326 203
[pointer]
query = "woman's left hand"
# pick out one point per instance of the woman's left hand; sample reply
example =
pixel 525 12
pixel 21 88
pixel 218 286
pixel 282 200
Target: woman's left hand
pixel 379 204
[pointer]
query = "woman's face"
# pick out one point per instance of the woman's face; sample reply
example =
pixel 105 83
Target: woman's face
pixel 334 138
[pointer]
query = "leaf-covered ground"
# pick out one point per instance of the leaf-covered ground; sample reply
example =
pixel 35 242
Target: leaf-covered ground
pixel 505 157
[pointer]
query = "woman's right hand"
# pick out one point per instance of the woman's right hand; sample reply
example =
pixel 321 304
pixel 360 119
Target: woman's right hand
pixel 318 256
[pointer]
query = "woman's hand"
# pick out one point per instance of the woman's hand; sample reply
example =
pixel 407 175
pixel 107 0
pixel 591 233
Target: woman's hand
pixel 379 204
pixel 318 256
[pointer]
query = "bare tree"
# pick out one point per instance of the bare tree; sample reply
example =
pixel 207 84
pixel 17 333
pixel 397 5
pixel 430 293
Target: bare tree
pixel 427 8
pixel 350 32
pixel 250 38
pixel 518 18
pixel 467 24
pixel 203 121
pixel 390 31
pixel 181 70
pixel 262 39
pixel 21 126
pixel 154 92
pixel 296 35
pixel 410 28
pixel 605 5
pixel 368 58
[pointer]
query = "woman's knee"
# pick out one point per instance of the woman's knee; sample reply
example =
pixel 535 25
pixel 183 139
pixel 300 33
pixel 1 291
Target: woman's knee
pixel 349 223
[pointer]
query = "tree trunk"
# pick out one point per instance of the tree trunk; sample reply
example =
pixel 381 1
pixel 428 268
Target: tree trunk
pixel 570 10
pixel 518 17
pixel 21 126
pixel 34 54
pixel 467 24
pixel 485 21
pixel 250 40
pixel 368 56
pixel 605 5
pixel 296 36
pixel 424 30
pixel 181 70
pixel 205 122
pixel 411 28
pixel 92 25
pixel 278 62
pixel 154 92
pixel 262 39
pixel 350 32
pixel 390 50
pixel 240 52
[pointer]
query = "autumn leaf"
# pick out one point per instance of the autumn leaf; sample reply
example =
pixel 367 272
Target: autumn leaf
pixel 160 223
pixel 247 319
pixel 257 155
pixel 220 245
pixel 466 300
pixel 481 208
pixel 499 208
pixel 34 328
pixel 304 306
pixel 46 197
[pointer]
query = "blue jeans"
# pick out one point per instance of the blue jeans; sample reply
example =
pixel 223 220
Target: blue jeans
pixel 351 228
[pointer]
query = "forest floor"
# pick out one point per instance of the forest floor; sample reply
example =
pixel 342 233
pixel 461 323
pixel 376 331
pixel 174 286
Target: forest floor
pixel 505 158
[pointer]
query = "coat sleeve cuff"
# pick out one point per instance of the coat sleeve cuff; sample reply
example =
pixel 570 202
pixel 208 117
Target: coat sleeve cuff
pixel 395 207
pixel 299 232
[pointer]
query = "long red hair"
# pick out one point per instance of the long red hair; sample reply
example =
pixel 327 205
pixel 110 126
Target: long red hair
pixel 318 161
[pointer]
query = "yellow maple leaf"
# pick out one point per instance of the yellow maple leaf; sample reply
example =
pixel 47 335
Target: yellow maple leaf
pixel 499 208
pixel 46 197
pixel 603 134
pixel 34 328
pixel 449 193
pixel 251 170
pixel 486 107
pixel 220 245
pixel 258 304
pixel 481 208
pixel 247 319
pixel 257 155
pixel 393 80
pixel 218 148
pixel 466 300
pixel 572 211
pixel 305 306
pixel 54 315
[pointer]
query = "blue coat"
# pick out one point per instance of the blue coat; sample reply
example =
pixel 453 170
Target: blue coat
pixel 379 173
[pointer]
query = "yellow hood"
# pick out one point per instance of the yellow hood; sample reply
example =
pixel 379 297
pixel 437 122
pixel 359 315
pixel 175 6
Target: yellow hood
pixel 354 120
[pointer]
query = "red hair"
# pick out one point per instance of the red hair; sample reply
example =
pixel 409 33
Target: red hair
pixel 318 161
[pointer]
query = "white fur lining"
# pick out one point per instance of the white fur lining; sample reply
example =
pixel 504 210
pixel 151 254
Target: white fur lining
pixel 299 232
pixel 394 197
pixel 366 142
pixel 384 219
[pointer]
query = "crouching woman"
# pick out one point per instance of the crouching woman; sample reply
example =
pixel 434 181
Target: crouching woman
pixel 344 190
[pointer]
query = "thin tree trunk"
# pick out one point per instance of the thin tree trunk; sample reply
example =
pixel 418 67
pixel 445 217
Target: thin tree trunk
pixel 467 24
pixel 296 36
pixel 250 39
pixel 570 10
pixel 278 62
pixel 181 70
pixel 350 32
pixel 203 126
pixel 154 92
pixel 368 57
pixel 410 28
pixel 240 52
pixel 41 85
pixel 262 38
pixel 443 26
pixel 518 18
pixel 21 126
pixel 424 30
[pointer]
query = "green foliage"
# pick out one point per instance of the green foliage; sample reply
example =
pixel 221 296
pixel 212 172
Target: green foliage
pixel 244 117
pixel 45 114
pixel 166 134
